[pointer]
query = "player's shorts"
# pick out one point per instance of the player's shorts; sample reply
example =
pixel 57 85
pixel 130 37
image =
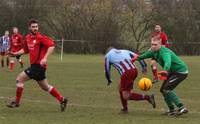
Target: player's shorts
pixel 3 53
pixel 127 79
pixel 36 72
pixel 18 57
pixel 174 79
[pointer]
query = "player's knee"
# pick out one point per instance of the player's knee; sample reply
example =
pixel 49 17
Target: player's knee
pixel 12 61
pixel 126 96
pixel 164 91
pixel 19 83
pixel 47 87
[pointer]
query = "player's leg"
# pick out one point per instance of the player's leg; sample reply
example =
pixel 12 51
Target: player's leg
pixel 53 91
pixel 21 78
pixel 123 101
pixel 173 81
pixel 127 85
pixel 2 59
pixel 12 64
pixel 168 101
pixel 154 70
pixel 127 95
pixel 7 60
pixel 19 59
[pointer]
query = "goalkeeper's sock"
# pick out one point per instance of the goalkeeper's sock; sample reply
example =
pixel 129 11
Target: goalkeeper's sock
pixel 53 91
pixel 2 63
pixel 123 101
pixel 176 100
pixel 169 102
pixel 136 96
pixel 19 92
pixel 154 71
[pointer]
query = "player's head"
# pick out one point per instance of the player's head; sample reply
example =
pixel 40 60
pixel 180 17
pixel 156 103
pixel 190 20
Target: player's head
pixel 33 26
pixel 158 28
pixel 155 43
pixel 15 30
pixel 6 33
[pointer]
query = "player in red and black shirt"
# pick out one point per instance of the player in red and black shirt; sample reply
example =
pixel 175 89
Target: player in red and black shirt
pixel 164 42
pixel 16 44
pixel 39 48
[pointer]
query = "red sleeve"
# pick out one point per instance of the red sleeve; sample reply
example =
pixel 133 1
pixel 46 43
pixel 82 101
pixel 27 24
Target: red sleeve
pixel 164 38
pixel 25 46
pixel 48 42
pixel 21 40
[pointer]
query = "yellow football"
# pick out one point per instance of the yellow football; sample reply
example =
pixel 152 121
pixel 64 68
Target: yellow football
pixel 145 84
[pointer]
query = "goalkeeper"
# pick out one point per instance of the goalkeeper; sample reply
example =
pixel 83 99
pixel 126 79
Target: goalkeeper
pixel 174 72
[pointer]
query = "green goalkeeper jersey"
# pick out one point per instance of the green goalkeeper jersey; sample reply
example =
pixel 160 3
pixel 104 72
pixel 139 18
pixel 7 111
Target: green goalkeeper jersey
pixel 167 59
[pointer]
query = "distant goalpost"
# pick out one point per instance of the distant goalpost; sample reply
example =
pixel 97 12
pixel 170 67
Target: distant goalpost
pixel 61 42
pixel 60 45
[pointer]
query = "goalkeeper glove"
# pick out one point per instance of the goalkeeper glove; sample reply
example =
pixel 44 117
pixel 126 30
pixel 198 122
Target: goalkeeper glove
pixel 163 75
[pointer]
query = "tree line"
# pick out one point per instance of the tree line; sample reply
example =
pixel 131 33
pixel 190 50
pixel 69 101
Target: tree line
pixel 104 23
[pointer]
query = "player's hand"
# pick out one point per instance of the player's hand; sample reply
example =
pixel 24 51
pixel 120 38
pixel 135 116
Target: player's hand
pixel 109 82
pixel 163 75
pixel 43 61
pixel 11 53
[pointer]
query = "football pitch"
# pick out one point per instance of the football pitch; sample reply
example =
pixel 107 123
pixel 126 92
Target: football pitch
pixel 81 78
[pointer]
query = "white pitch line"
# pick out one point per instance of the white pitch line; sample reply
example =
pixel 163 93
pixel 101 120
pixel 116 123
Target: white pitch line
pixel 92 106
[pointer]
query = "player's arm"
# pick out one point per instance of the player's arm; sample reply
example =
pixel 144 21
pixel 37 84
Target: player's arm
pixel 48 53
pixel 143 64
pixel 107 67
pixel 147 54
pixel 20 52
pixel 165 40
pixel 49 43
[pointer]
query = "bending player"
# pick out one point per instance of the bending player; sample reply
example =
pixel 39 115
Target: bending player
pixel 122 60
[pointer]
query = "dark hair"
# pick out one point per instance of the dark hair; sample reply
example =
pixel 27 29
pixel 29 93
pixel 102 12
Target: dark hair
pixel 31 21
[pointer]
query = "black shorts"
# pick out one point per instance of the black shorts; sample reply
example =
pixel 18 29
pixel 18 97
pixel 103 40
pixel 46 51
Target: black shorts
pixel 36 72
pixel 174 78
pixel 18 57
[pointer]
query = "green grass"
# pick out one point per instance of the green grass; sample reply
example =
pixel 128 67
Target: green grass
pixel 81 79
